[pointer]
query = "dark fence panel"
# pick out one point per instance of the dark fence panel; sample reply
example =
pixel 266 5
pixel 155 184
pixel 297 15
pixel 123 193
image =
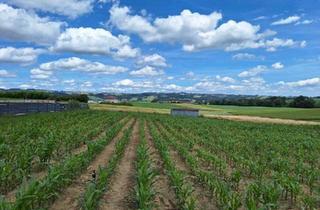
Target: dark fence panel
pixel 14 108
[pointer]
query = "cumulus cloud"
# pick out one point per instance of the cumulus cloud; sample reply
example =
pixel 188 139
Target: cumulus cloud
pixel 6 74
pixel 21 25
pixel 288 20
pixel 40 74
pixel 19 55
pixel 195 31
pixel 155 60
pixel 302 83
pixel 75 64
pixel 253 71
pixel 225 79
pixel 147 71
pixel 125 82
pixel 145 86
pixel 95 41
pixel 70 8
pixel 278 65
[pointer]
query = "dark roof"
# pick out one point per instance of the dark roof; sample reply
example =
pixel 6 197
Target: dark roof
pixel 184 109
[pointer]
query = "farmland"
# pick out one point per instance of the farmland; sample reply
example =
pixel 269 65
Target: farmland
pixel 127 160
pixel 220 110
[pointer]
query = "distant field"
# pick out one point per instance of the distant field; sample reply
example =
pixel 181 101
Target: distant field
pixel 207 110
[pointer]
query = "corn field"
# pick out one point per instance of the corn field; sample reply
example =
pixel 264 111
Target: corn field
pixel 115 160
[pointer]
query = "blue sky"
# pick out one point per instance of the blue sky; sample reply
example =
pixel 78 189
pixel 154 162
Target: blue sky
pixel 232 46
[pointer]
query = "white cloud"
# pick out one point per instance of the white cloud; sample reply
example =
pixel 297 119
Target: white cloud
pixel 302 83
pixel 194 31
pixel 40 74
pixel 225 79
pixel 261 18
pixel 253 72
pixel 137 85
pixel 147 71
pixel 6 74
pixel 127 51
pixel 95 41
pixel 278 65
pixel 74 64
pixel 19 55
pixel 125 82
pixel 20 25
pixel 288 20
pixel 152 60
pixel 25 86
pixel 70 8
pixel 87 84
pixel 304 22
pixel 244 56
pixel 70 82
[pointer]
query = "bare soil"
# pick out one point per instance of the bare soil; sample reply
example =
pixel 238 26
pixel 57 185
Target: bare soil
pixel 165 197
pixel 120 195
pixel 69 198
pixel 263 119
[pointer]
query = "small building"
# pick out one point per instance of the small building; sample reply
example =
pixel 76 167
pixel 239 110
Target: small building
pixel 111 99
pixel 185 112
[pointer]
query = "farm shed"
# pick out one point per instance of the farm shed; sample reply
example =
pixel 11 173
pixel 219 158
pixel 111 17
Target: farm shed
pixel 185 112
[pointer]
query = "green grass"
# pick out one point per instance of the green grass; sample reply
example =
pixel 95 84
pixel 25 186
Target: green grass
pixel 272 112
pixel 207 110
pixel 155 105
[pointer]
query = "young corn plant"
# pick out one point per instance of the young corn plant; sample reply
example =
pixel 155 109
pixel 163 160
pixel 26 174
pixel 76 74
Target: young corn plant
pixel 146 176
pixel 40 193
pixel 95 189
pixel 177 178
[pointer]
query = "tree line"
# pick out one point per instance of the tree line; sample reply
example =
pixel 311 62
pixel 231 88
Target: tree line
pixel 42 95
pixel 273 101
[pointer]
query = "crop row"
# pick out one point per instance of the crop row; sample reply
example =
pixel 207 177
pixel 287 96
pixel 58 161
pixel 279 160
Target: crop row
pixel 96 188
pixel 32 153
pixel 40 193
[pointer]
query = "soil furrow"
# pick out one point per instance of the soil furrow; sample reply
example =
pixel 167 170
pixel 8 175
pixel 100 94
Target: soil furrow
pixel 165 197
pixel 120 195
pixel 203 197
pixel 69 198
pixel 11 196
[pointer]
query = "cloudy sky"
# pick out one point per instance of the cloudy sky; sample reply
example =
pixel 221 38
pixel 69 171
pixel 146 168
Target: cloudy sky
pixel 208 46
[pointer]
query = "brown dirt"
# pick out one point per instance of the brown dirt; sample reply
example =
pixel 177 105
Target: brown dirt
pixel 203 197
pixel 120 194
pixel 165 197
pixel 69 198
pixel 263 119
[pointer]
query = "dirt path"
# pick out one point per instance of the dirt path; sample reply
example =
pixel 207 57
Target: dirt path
pixel 120 195
pixel 165 197
pixel 37 175
pixel 262 119
pixel 203 197
pixel 69 198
